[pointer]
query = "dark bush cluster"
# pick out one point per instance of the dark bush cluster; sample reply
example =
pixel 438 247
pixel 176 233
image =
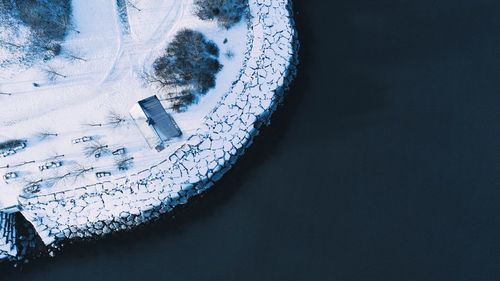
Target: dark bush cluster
pixel 182 100
pixel 226 12
pixel 11 144
pixel 49 19
pixel 190 63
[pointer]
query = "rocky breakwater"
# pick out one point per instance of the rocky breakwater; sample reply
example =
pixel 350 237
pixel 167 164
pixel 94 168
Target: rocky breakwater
pixel 227 131
pixel 8 248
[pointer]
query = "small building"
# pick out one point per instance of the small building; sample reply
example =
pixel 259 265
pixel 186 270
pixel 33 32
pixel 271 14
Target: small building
pixel 155 124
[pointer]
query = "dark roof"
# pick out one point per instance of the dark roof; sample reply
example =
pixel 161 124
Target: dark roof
pixel 163 124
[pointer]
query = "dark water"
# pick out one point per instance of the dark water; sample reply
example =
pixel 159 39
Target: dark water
pixel 383 164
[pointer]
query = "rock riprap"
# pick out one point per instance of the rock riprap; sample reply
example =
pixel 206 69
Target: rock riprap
pixel 7 236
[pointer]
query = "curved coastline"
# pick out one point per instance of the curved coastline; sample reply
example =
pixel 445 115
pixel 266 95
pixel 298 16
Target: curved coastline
pixel 270 65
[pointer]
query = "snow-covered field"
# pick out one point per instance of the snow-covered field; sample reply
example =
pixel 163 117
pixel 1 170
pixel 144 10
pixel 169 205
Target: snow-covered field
pixel 115 55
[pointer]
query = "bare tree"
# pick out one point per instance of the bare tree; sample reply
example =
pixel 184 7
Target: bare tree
pixel 95 149
pixel 227 13
pixel 4 93
pixel 116 119
pixel 73 57
pixel 76 173
pixel 93 124
pixel 23 163
pixel 10 44
pixel 80 172
pixel 131 4
pixel 66 23
pixel 124 163
pixel 179 101
pixel 160 81
pixel 45 134
pixel 53 48
pixel 54 156
pixel 52 74
pixel 55 180
pixel 229 54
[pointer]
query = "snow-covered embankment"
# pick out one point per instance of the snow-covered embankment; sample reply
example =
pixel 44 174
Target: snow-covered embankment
pixel 100 209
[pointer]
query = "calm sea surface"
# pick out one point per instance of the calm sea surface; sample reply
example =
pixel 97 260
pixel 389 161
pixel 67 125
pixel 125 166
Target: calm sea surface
pixel 383 164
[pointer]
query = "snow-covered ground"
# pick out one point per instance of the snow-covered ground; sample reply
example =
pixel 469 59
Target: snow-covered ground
pixel 109 78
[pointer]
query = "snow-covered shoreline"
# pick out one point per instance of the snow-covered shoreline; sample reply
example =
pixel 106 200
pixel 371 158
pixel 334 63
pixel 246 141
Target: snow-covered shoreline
pixel 227 131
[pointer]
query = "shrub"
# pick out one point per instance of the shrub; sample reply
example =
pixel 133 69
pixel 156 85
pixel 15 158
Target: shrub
pixel 226 12
pixel 32 29
pixel 180 102
pixel 49 19
pixel 191 63
pixel 10 144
